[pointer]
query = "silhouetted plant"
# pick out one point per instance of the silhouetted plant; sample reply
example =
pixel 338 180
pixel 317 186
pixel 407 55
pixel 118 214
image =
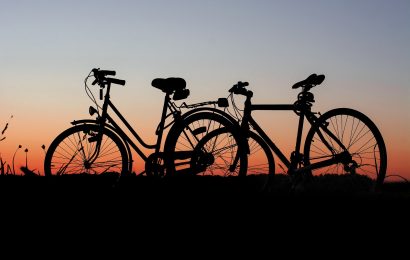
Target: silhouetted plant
pixel 14 155
pixel 24 169
pixel 44 150
pixel 2 137
pixel 2 166
pixel 5 168
pixel 27 172
pixel 26 151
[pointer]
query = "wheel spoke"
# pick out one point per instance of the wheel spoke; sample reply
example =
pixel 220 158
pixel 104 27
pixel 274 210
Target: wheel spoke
pixel 70 153
pixel 360 137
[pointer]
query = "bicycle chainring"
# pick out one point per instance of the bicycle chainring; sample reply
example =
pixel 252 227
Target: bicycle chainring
pixel 201 160
pixel 154 165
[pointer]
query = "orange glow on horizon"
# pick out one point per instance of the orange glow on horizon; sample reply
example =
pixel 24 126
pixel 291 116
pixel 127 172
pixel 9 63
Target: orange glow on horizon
pixel 279 132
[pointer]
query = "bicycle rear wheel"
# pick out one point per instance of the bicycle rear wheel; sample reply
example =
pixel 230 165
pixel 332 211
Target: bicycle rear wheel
pixel 358 134
pixel 214 154
pixel 221 155
pixel 71 151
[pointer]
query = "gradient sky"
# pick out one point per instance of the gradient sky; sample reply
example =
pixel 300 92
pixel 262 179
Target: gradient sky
pixel 48 47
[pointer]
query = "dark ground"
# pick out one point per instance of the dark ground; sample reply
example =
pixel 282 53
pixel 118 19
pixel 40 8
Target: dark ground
pixel 184 190
pixel 207 212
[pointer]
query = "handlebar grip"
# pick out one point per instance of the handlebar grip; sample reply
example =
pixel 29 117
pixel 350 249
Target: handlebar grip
pixel 116 81
pixel 107 72
pixel 238 86
pixel 233 88
pixel 240 91
pixel 242 84
pixel 103 72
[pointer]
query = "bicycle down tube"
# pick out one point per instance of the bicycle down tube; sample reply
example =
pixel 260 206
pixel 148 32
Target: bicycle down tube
pixel 262 133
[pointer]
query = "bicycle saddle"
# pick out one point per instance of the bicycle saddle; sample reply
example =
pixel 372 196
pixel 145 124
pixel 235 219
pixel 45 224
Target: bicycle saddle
pixel 169 85
pixel 311 81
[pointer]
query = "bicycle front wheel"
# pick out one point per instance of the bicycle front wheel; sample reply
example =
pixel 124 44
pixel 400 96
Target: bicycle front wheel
pixel 261 164
pixel 358 134
pixel 71 152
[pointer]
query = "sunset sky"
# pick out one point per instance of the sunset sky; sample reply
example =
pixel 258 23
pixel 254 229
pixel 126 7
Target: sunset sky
pixel 47 48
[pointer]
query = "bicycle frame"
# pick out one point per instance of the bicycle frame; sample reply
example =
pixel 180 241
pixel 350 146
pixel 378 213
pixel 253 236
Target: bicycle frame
pixel 101 120
pixel 302 109
pixel 114 126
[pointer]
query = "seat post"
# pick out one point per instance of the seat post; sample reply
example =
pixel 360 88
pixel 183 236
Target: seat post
pixel 162 123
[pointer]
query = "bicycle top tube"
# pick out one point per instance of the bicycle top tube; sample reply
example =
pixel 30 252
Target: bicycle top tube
pixel 272 107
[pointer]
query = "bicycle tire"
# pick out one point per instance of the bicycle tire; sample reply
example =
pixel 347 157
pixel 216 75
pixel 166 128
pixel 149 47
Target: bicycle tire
pixel 261 163
pixel 185 135
pixel 68 152
pixel 364 140
pixel 207 160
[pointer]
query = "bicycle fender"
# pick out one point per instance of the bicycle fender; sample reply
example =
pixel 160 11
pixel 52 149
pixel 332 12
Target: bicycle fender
pixel 84 121
pixel 92 122
pixel 218 112
pixel 95 122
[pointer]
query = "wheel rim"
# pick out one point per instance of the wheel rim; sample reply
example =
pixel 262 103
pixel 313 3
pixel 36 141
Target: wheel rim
pixel 258 161
pixel 183 139
pixel 359 137
pixel 73 153
pixel 215 154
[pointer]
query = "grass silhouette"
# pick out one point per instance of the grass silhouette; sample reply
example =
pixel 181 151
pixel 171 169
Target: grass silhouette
pixel 3 132
pixel 5 168
pixel 342 186
pixel 347 186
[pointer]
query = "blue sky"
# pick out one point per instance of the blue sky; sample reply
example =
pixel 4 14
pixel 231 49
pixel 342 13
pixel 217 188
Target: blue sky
pixel 48 47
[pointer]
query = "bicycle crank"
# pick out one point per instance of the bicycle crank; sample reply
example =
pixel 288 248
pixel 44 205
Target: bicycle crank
pixel 154 165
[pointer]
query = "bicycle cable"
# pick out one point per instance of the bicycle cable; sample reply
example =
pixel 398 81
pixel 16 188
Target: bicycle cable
pixel 236 111
pixel 90 93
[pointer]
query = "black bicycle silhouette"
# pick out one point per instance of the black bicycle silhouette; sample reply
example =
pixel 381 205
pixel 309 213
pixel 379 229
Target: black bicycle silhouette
pixel 341 141
pixel 98 146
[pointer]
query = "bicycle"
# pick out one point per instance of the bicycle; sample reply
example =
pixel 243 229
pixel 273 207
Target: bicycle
pixel 100 146
pixel 340 141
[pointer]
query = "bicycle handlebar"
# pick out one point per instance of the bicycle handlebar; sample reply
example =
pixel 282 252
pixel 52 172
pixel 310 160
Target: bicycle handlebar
pixel 116 81
pixel 239 88
pixel 108 72
pixel 100 77
pixel 103 73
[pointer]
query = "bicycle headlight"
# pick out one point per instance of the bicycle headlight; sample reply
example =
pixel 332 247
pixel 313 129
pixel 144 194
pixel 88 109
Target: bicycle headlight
pixel 92 110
